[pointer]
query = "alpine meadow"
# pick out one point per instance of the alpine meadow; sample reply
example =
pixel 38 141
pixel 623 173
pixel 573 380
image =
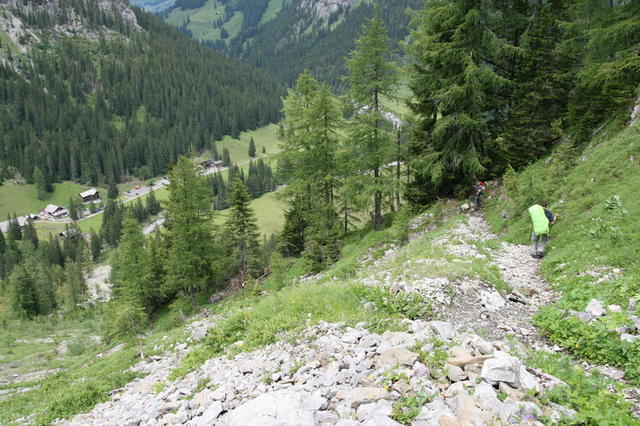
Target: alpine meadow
pixel 320 212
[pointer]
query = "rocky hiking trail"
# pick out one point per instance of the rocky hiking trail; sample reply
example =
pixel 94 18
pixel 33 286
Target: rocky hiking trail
pixel 463 369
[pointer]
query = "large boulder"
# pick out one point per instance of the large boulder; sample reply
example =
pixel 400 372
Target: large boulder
pixel 395 339
pixel 286 406
pixel 503 368
pixel 400 356
pixel 443 329
pixel 595 307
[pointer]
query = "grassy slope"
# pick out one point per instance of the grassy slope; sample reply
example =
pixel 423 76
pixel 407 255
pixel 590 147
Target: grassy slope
pixel 22 199
pixel 269 213
pixel 201 20
pixel 278 308
pixel 239 148
pixel 589 242
pixel 85 380
pixel 272 10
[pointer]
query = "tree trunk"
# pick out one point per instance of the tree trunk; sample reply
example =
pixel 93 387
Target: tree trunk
pixel 398 168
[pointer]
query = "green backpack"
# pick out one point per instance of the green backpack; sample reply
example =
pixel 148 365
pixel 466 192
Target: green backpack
pixel 539 219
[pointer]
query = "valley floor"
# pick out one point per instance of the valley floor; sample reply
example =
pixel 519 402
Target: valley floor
pixel 476 359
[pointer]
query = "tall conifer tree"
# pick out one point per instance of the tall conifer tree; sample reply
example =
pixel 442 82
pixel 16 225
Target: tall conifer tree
pixel 242 229
pixel 455 82
pixel 192 249
pixel 371 77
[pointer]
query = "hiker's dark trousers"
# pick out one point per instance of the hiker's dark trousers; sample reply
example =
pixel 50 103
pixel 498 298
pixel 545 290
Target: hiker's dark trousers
pixel 477 201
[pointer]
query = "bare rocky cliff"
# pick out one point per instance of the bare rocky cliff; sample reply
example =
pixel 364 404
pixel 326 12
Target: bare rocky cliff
pixel 28 23
pixel 324 8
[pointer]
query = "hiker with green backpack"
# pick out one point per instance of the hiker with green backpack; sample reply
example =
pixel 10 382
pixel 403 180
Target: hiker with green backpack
pixel 542 219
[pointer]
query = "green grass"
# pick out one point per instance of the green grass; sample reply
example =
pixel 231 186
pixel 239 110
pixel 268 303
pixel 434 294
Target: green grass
pixel 201 20
pixel 585 392
pixel 239 148
pixel 589 237
pixel 269 211
pixel 84 379
pixel 272 10
pixel 23 199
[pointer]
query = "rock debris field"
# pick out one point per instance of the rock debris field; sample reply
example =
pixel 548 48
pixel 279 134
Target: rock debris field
pixel 462 369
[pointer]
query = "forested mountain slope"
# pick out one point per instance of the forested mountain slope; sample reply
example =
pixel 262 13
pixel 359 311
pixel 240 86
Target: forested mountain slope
pixel 286 37
pixel 92 91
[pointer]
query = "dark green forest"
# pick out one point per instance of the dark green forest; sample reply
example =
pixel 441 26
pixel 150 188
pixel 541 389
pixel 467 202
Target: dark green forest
pixel 125 105
pixel 297 40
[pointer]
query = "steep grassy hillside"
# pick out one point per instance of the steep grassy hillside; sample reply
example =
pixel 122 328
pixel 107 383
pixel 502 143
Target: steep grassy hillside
pixel 594 252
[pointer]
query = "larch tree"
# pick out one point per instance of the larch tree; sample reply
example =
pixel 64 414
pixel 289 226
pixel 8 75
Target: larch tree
pixel 129 270
pixel 371 77
pixel 312 122
pixel 192 248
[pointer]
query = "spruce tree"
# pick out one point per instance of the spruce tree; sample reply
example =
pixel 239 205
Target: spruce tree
pixel 292 238
pixel 454 82
pixel 242 229
pixel 607 81
pixel 192 254
pixel 214 151
pixel 226 157
pixel 40 183
pixel 543 82
pixel 96 245
pixel 252 147
pixel 3 243
pixel 22 287
pixel 15 231
pixel 73 209
pixel 322 239
pixel 30 234
pixel 113 192
pixel 152 204
pixel 371 77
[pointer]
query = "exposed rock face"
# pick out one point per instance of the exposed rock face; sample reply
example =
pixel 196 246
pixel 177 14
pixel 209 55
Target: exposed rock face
pixel 324 8
pixel 23 36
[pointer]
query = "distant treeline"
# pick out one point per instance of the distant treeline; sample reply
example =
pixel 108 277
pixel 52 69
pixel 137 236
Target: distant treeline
pixel 93 111
pixel 259 180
